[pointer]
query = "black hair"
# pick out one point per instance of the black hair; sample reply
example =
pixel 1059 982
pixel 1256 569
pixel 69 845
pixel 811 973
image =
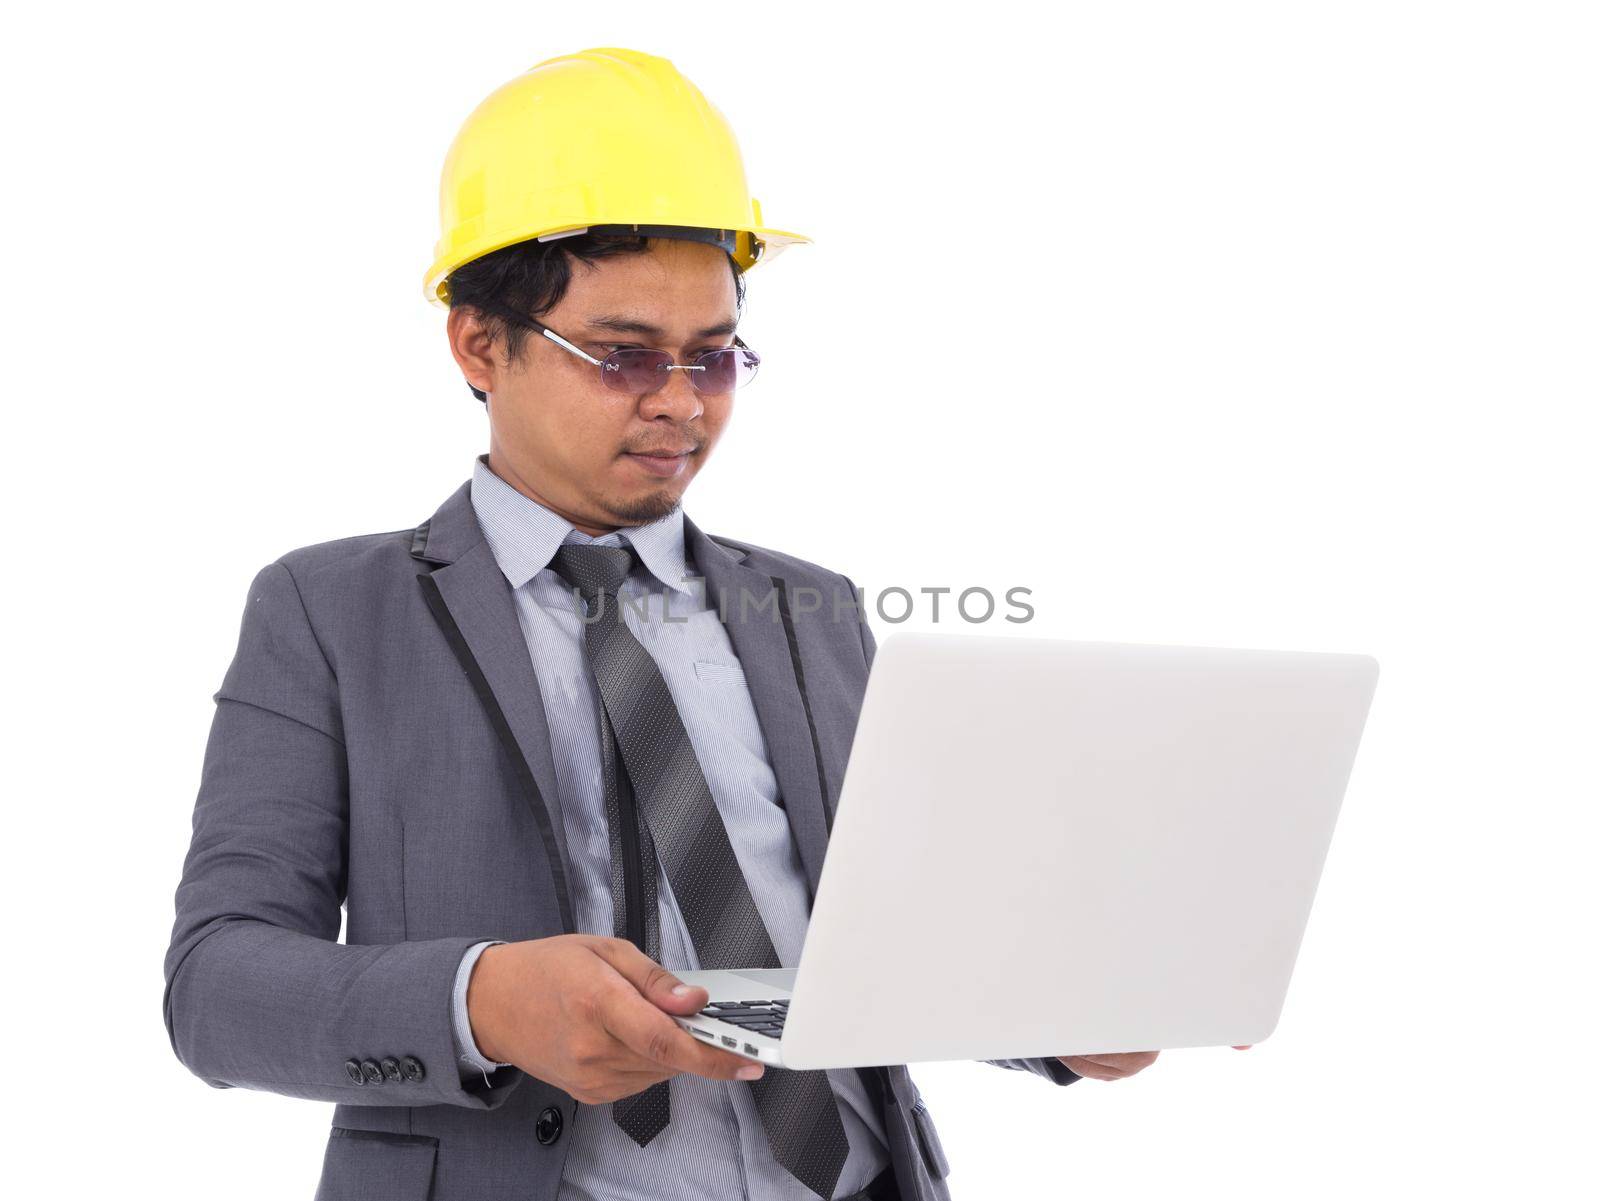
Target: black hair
pixel 531 278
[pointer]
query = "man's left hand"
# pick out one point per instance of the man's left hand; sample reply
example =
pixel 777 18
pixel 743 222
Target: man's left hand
pixel 1114 1067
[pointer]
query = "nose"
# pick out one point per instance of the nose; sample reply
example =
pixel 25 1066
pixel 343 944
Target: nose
pixel 676 399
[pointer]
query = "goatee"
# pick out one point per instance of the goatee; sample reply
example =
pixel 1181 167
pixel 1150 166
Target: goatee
pixel 646 508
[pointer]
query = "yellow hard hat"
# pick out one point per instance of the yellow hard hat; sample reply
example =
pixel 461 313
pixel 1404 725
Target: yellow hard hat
pixel 605 140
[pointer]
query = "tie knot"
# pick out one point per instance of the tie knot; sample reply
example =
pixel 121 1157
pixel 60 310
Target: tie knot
pixel 594 569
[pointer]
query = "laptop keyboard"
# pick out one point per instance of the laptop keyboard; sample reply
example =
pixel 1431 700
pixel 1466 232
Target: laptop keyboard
pixel 763 1017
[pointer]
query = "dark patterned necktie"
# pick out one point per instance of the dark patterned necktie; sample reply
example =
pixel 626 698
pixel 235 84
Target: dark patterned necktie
pixel 683 831
pixel 644 1114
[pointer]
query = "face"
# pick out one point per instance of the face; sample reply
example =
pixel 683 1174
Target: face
pixel 598 457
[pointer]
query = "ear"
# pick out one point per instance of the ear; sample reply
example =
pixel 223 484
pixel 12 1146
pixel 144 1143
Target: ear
pixel 472 347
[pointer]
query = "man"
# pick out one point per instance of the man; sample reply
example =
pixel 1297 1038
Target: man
pixel 553 742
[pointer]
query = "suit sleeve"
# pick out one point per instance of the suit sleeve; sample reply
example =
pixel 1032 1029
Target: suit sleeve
pixel 1051 1068
pixel 259 992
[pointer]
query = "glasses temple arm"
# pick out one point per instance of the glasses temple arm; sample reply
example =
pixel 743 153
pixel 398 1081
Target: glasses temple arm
pixel 500 310
pixel 508 314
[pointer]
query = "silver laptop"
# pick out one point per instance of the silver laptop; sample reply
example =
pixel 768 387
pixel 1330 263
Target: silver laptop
pixel 1060 848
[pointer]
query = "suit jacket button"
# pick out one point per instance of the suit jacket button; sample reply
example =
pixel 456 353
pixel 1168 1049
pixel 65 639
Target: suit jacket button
pixel 372 1072
pixel 391 1068
pixel 352 1069
pixel 411 1066
pixel 548 1128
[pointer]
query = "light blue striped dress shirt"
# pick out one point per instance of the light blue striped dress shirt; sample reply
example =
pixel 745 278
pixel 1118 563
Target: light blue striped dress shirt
pixel 715 1144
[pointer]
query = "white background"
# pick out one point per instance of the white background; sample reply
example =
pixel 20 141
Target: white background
pixel 1238 324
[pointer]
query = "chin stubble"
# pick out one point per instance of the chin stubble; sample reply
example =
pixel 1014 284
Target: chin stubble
pixel 646 508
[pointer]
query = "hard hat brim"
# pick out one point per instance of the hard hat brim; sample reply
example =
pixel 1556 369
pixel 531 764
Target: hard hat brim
pixel 769 242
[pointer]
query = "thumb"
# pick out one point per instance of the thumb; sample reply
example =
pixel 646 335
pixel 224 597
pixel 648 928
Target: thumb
pixel 654 982
pixel 678 997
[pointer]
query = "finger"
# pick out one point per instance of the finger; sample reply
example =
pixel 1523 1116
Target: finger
pixel 653 982
pixel 1086 1065
pixel 1246 1047
pixel 1092 1070
pixel 632 1080
pixel 1125 1061
pixel 657 1039
pixel 1106 1071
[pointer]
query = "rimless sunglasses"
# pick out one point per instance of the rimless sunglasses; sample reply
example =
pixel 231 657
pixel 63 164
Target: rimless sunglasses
pixel 641 371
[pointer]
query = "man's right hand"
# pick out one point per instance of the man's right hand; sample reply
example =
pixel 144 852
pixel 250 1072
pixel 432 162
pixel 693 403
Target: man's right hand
pixel 589 1015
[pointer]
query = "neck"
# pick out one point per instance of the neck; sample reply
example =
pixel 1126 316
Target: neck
pixel 583 525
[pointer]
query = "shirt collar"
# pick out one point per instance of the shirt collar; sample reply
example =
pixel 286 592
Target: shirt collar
pixel 524 535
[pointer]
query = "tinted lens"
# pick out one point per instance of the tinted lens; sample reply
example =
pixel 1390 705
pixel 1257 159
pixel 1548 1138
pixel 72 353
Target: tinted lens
pixel 642 371
pixel 636 371
pixel 725 370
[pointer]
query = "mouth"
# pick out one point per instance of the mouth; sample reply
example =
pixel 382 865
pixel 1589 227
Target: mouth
pixel 663 462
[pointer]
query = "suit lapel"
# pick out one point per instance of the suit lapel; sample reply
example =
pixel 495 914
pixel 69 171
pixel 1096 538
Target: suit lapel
pixel 747 599
pixel 479 617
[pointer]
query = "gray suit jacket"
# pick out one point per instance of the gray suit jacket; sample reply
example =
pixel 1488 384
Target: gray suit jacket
pixel 379 743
